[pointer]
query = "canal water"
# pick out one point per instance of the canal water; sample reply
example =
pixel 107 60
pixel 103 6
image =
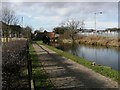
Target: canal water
pixel 101 55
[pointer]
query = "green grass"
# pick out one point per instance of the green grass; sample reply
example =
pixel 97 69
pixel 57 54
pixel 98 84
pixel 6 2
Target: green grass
pixel 41 80
pixel 24 78
pixel 104 70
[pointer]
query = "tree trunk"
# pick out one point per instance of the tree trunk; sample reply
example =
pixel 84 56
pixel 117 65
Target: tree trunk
pixel 73 39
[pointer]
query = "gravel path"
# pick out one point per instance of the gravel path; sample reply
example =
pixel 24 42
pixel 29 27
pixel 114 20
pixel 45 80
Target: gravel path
pixel 67 74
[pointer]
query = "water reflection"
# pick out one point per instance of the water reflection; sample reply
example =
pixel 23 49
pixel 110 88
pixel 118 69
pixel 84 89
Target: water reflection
pixel 101 55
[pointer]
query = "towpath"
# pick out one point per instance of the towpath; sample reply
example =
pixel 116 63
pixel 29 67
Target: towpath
pixel 67 74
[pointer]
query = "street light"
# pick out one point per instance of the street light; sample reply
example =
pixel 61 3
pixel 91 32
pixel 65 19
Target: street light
pixel 95 19
pixel 96 30
pixel 22 22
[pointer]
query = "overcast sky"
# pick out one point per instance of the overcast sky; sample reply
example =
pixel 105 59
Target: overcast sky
pixel 50 14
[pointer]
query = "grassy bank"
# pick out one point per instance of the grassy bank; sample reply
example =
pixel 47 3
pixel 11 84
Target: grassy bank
pixel 104 70
pixel 99 41
pixel 38 73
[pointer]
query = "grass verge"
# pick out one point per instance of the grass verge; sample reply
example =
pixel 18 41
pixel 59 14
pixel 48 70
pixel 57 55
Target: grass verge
pixel 104 70
pixel 38 74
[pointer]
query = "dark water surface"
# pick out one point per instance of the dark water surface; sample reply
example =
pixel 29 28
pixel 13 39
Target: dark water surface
pixel 100 55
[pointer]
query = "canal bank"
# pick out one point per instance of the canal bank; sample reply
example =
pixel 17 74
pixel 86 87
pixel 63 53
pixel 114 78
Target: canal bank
pixel 95 41
pixel 99 41
pixel 66 74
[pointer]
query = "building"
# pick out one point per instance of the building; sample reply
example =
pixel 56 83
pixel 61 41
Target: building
pixel 39 35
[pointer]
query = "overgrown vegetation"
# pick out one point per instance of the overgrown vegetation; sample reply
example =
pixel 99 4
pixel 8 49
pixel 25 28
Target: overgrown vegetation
pixel 38 73
pixel 106 71
pixel 14 66
pixel 98 41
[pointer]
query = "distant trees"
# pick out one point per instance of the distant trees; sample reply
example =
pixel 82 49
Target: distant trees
pixel 60 30
pixel 46 38
pixel 38 34
pixel 113 29
pixel 41 29
pixel 28 32
pixel 70 27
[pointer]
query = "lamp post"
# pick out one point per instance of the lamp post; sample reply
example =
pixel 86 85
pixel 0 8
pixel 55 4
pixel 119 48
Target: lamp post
pixel 95 19
pixel 22 22
pixel 22 26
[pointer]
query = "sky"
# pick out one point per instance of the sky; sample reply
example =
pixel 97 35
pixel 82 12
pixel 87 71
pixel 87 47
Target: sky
pixel 47 15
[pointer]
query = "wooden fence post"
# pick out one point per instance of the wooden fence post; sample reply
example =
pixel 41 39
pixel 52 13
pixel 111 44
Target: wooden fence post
pixel 29 74
pixel 29 68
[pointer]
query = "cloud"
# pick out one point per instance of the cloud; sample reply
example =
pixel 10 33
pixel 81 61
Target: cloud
pixel 64 8
pixel 100 24
pixel 25 14
pixel 71 8
pixel 60 0
pixel 108 24
pixel 44 18
pixel 53 13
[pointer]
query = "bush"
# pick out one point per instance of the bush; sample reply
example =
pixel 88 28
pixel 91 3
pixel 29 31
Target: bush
pixel 14 59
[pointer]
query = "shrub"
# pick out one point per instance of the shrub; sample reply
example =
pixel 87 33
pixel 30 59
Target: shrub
pixel 14 57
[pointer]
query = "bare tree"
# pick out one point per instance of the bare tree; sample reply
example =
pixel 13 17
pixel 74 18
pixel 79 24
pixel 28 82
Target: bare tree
pixel 73 26
pixel 8 18
pixel 82 24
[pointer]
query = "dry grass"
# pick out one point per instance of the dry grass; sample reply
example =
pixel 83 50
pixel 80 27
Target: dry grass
pixel 98 40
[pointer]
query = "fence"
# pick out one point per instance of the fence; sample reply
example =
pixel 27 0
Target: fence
pixel 104 34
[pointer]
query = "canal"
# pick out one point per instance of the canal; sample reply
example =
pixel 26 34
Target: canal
pixel 101 55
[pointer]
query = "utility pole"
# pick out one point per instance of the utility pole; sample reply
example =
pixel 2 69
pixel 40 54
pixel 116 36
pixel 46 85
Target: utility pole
pixel 95 19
